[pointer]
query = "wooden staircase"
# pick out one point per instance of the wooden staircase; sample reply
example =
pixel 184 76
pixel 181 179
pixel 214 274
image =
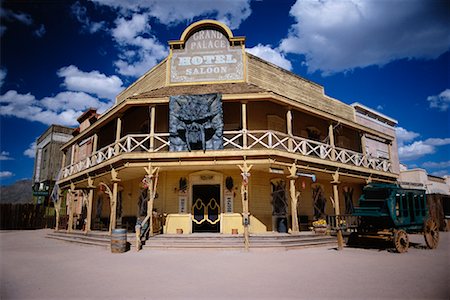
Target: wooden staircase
pixel 219 241
pixel 282 241
pixel 93 238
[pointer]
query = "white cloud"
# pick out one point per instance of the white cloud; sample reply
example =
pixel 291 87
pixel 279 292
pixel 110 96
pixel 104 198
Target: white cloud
pixel 436 165
pixel 169 12
pixel 336 36
pixel 415 150
pixel 274 56
pixel 31 151
pixel 139 50
pixel 6 174
pixel 4 155
pixel 63 109
pixel 2 76
pixel 8 14
pixel 133 34
pixel 404 135
pixel 441 101
pixel 80 13
pixel 40 32
pixel 440 173
pixel 418 149
pixel 92 82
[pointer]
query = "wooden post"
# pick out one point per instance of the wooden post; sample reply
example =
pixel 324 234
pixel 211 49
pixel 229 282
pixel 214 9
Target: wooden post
pixel 63 162
pixel 244 124
pixel 113 198
pixel 71 208
pixel 152 128
pixel 91 188
pixel 363 149
pixel 118 131
pixel 244 196
pixel 138 244
pixel 335 184
pixel 294 197
pixel 331 138
pixel 289 129
pixel 57 205
pixel 94 143
pixel 72 155
pixel 152 175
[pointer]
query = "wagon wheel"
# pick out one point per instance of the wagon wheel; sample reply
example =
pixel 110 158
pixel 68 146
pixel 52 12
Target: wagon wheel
pixel 401 241
pixel 431 233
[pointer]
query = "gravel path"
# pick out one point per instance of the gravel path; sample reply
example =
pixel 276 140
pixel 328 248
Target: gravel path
pixel 33 267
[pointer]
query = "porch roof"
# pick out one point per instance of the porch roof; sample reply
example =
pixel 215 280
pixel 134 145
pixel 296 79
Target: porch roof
pixel 223 88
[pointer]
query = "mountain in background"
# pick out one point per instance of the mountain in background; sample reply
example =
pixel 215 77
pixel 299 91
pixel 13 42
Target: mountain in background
pixel 18 192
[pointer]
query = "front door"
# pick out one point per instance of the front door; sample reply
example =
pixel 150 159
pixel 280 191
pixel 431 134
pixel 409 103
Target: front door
pixel 206 208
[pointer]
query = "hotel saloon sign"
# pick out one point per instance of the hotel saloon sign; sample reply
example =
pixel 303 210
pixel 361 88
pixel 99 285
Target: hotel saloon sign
pixel 207 56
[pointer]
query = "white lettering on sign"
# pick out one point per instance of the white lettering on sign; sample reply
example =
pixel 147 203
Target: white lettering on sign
pixel 207 56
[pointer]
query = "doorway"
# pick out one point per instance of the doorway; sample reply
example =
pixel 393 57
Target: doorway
pixel 206 208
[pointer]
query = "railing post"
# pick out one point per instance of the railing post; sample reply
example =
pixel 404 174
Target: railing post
pixel 331 138
pixel 244 124
pixel 289 130
pixel 118 131
pixel 152 128
pixel 363 149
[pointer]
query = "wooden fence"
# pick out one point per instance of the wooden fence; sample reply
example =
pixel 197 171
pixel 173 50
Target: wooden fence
pixel 25 216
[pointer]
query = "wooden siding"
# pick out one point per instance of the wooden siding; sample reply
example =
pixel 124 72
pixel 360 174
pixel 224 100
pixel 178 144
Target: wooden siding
pixel 277 80
pixel 153 79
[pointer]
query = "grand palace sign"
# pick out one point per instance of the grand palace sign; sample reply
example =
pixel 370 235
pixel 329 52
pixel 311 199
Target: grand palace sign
pixel 210 53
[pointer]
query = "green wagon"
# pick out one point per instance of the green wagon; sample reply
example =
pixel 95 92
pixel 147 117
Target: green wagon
pixel 390 212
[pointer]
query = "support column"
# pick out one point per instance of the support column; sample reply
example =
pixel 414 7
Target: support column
pixel 63 161
pixel 95 143
pixel 113 198
pixel 118 131
pixel 71 208
pixel 152 182
pixel 91 188
pixel 152 128
pixel 363 149
pixel 331 138
pixel 244 196
pixel 57 205
pixel 294 197
pixel 335 184
pixel 72 155
pixel 388 164
pixel 289 129
pixel 244 124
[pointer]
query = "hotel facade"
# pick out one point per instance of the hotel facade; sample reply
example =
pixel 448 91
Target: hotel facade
pixel 214 139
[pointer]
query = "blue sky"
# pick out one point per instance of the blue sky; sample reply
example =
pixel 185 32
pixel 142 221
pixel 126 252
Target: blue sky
pixel 61 57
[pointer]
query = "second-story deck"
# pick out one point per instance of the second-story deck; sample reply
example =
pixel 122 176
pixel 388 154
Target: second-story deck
pixel 242 140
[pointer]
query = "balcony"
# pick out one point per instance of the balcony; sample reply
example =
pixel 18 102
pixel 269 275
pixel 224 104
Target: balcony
pixel 234 140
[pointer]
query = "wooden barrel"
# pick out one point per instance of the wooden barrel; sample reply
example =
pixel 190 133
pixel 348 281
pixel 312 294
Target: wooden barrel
pixel 118 240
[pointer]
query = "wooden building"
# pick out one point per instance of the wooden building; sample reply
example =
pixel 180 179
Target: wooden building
pixel 219 140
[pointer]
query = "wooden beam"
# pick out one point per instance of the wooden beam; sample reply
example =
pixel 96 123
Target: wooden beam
pixel 289 129
pixel 335 182
pixel 245 169
pixel 152 127
pixel 331 139
pixel 294 197
pixel 244 124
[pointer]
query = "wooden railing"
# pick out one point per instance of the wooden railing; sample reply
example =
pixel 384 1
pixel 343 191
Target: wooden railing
pixel 255 139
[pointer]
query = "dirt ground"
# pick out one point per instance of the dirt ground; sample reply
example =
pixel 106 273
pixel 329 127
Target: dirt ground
pixel 33 267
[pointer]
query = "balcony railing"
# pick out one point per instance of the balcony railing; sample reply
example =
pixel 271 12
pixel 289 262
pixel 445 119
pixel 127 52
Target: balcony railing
pixel 255 139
